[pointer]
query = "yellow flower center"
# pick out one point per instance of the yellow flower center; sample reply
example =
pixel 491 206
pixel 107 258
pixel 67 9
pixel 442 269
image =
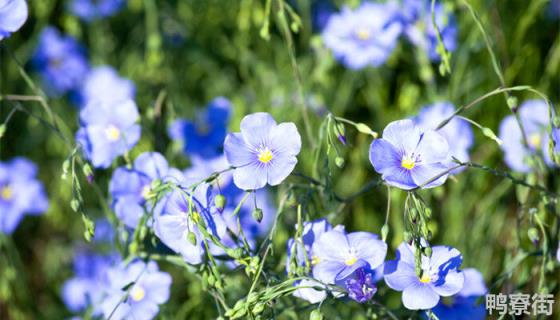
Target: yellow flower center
pixel 137 293
pixel 195 216
pixel 6 193
pixel 425 278
pixel 315 260
pixel 113 133
pixel 265 156
pixel 363 34
pixel 350 260
pixel 535 140
pixel 407 163
pixel 147 192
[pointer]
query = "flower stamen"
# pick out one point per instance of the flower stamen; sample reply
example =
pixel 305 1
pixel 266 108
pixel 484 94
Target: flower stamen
pixel 137 293
pixel 113 133
pixel 408 163
pixel 6 193
pixel 265 156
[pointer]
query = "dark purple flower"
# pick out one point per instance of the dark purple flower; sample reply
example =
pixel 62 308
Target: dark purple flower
pixel 360 286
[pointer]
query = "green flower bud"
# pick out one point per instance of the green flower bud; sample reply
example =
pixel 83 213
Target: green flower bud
pixel 384 232
pixel 533 234
pixel 316 315
pixel 192 238
pixel 339 161
pixel 258 214
pixel 220 202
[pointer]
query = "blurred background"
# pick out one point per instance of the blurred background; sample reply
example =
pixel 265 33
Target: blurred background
pixel 185 53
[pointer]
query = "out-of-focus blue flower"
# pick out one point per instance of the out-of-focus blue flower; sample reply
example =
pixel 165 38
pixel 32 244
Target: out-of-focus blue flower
pixel 13 14
pixel 108 130
pixel 177 223
pixel 204 136
pixel 363 36
pixel 20 193
pixel 420 30
pixel 361 285
pixel 61 61
pixel 464 306
pixel 263 152
pixel 131 188
pixel 85 288
pixel 336 255
pixel 440 276
pixel 321 12
pixel 90 10
pixel 457 132
pixel 534 116
pixel 104 231
pixel 150 288
pixel 104 84
pixel 407 158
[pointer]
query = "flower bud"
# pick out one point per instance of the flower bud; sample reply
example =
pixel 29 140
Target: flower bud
pixel 192 238
pixel 220 202
pixel 341 133
pixel 384 232
pixel 533 234
pixel 257 214
pixel 339 161
pixel 2 130
pixel 316 315
pixel 235 253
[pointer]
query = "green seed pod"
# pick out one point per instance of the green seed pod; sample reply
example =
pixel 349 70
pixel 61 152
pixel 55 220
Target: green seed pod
pixel 220 202
pixel 384 232
pixel 2 130
pixel 258 308
pixel 533 234
pixel 512 103
pixel 428 251
pixel 258 214
pixel 339 161
pixel 236 253
pixel 316 315
pixel 192 238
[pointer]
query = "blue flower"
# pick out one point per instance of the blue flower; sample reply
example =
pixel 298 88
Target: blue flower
pixel 20 193
pixel 205 136
pixel 464 306
pixel 60 61
pixel 178 220
pixel 104 84
pixel 407 158
pixel 457 132
pixel 263 152
pixel 556 139
pixel 364 36
pixel 85 288
pixel 440 276
pixel 226 222
pixel 420 30
pixel 336 255
pixel 108 130
pixel 90 10
pixel 311 232
pixel 131 188
pixel 13 14
pixel 534 116
pixel 149 288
